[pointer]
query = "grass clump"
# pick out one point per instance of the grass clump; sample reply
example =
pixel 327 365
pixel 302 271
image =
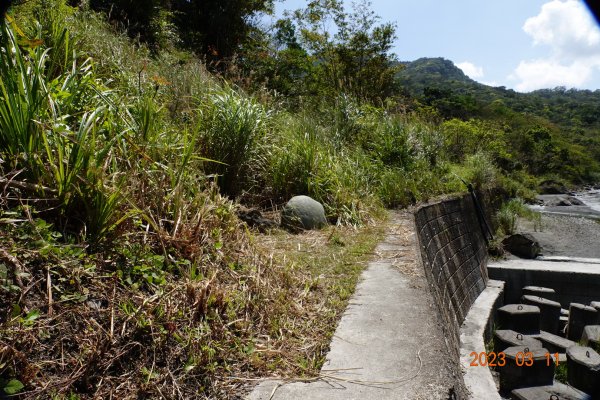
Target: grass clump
pixel 232 126
pixel 57 133
pixel 196 322
pixel 509 213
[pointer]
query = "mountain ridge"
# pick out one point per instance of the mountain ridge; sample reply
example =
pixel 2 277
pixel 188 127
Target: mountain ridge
pixel 434 81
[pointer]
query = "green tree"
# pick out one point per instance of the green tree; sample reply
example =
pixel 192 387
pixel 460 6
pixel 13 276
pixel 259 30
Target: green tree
pixel 278 61
pixel 351 51
pixel 148 20
pixel 218 29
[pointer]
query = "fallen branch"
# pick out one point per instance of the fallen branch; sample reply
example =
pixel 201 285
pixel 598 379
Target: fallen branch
pixel 16 265
pixel 28 187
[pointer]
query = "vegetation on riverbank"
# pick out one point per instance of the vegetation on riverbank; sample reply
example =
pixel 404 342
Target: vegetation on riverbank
pixel 124 269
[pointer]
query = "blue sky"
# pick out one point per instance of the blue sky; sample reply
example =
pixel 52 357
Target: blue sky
pixel 521 44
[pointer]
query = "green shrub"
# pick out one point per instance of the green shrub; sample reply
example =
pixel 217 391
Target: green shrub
pixel 302 159
pixel 507 216
pixel 481 171
pixel 294 156
pixel 390 144
pixel 62 155
pixel 395 190
pixel 232 126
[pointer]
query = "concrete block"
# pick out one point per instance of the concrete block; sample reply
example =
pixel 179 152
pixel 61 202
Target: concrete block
pixel 549 312
pixel 504 339
pixel 558 390
pixel 591 337
pixel 579 316
pixel 554 343
pixel 562 325
pixel 583 369
pixel 547 293
pixel 521 371
pixel 574 282
pixel 519 317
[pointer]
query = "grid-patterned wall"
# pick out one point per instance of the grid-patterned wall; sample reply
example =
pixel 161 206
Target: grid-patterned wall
pixel 454 255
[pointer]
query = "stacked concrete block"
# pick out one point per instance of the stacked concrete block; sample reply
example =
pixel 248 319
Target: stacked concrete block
pixel 546 293
pixel 557 391
pixel 579 317
pixel 591 337
pixel 583 370
pixel 522 318
pixel 549 312
pixel 525 367
pixel 504 339
pixel 554 343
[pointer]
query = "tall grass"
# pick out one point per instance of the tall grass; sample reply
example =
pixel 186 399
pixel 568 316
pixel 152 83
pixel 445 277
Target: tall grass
pixel 24 96
pixel 231 127
pixel 49 127
pixel 508 215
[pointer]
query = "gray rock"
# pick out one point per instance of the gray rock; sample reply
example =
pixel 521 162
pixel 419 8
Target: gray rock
pixel 565 201
pixel 552 187
pixel 254 218
pixel 522 245
pixel 303 212
pixel 575 201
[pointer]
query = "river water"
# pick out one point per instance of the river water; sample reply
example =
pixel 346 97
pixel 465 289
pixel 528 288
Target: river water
pixel 591 199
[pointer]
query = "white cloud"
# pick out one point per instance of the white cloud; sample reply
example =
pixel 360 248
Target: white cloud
pixel 566 26
pixel 490 83
pixel 539 74
pixel 573 38
pixel 471 70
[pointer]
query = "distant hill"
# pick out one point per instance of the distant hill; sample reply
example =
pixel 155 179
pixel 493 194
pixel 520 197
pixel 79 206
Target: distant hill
pixel 432 72
pixel 439 83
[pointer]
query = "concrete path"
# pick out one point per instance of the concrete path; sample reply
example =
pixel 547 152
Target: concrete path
pixel 389 344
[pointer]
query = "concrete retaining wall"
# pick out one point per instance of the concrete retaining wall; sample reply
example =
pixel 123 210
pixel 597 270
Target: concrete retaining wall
pixel 454 255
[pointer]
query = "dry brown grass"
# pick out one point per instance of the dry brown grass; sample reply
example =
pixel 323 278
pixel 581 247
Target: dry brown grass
pixel 242 307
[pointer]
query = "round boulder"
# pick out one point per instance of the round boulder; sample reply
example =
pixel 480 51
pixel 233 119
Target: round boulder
pixel 303 212
pixel 522 245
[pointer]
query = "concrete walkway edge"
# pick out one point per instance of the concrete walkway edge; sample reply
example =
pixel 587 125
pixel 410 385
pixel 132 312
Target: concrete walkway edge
pixel 478 379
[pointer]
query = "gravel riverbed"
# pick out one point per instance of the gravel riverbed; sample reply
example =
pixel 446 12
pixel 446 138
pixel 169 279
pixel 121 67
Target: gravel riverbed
pixel 567 231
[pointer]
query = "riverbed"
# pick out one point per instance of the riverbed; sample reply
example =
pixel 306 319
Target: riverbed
pixel 571 231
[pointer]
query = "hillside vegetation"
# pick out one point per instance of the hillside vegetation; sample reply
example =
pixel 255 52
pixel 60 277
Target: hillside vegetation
pixel 131 137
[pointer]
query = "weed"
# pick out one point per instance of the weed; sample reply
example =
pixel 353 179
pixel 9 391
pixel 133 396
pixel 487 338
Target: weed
pixel 507 216
pixel 560 373
pixel 231 128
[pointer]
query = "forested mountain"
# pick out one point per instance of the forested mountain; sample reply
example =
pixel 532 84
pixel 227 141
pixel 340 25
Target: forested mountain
pixel 438 81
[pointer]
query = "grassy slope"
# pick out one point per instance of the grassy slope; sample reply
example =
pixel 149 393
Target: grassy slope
pixel 172 296
pixel 202 331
